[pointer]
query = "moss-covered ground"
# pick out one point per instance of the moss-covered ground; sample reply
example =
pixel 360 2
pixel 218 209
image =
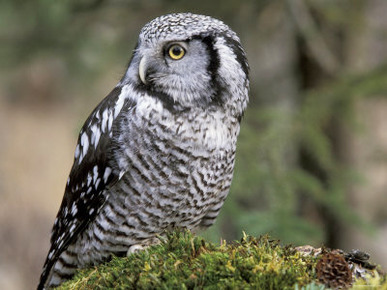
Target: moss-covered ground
pixel 184 261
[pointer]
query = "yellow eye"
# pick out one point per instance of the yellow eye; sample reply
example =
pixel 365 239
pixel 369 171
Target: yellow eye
pixel 176 51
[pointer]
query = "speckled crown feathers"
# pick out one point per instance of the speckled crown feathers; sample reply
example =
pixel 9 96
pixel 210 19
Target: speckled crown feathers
pixel 184 25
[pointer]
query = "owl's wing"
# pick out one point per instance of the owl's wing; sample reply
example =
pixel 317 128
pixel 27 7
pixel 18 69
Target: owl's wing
pixel 92 172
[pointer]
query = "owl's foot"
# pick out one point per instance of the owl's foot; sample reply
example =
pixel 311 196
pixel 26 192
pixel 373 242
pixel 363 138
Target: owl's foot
pixel 141 247
pixel 135 249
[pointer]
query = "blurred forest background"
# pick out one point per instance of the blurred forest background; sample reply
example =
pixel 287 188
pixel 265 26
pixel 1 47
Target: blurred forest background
pixel 312 156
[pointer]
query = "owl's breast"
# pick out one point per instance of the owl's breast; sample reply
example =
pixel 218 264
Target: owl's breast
pixel 175 166
pixel 213 129
pixel 175 171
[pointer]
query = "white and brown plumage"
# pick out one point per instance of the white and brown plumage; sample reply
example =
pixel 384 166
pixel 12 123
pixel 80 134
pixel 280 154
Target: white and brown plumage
pixel 158 152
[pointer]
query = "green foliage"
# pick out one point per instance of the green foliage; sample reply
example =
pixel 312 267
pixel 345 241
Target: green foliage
pixel 182 261
pixel 269 182
pixel 311 286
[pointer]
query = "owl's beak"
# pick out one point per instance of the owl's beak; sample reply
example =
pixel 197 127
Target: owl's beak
pixel 142 70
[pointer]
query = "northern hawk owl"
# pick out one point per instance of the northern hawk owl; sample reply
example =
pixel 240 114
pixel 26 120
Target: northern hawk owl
pixel 158 152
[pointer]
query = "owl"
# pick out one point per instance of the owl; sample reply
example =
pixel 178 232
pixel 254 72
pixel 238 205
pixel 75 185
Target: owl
pixel 158 152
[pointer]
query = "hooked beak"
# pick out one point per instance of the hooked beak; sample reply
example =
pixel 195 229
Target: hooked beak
pixel 142 70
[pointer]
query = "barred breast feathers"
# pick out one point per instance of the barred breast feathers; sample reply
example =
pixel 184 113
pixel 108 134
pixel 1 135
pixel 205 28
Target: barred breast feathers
pixel 211 129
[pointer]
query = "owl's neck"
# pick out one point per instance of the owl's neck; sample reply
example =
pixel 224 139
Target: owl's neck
pixel 203 128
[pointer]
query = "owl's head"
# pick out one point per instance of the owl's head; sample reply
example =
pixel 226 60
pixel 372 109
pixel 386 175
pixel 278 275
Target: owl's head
pixel 188 60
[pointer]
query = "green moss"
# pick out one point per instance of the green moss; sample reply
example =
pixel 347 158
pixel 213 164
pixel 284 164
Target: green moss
pixel 184 261
pixel 372 281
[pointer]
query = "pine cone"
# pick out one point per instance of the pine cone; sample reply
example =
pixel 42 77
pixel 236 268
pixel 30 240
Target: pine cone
pixel 333 271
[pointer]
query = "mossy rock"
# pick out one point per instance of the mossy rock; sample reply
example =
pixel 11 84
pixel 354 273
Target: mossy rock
pixel 184 261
